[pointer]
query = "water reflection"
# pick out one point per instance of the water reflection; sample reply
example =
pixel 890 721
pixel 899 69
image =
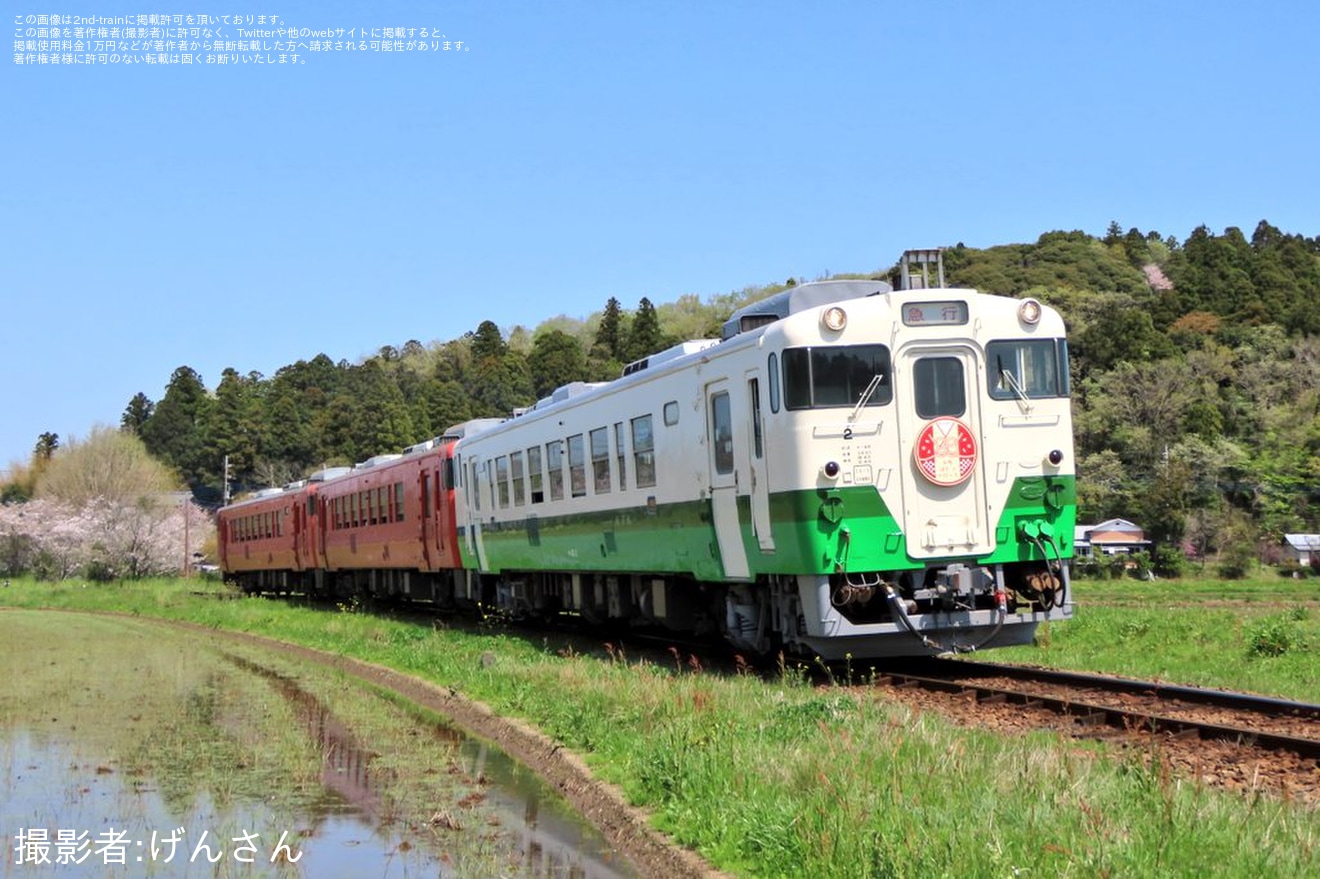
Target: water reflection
pixel 553 841
pixel 141 755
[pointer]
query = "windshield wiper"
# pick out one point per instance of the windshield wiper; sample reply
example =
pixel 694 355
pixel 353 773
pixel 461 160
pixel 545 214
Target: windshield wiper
pixel 1007 376
pixel 866 395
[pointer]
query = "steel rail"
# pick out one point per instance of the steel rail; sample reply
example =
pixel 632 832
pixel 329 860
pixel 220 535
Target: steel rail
pixel 1091 714
pixel 1249 702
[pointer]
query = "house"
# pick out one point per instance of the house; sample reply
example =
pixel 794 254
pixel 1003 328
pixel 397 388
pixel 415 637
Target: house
pixel 1111 537
pixel 1302 548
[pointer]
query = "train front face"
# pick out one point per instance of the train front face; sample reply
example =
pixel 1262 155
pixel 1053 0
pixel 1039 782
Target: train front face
pixel 931 435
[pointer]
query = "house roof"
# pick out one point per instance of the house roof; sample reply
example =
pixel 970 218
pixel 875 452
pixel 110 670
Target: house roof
pixel 1116 525
pixel 1303 541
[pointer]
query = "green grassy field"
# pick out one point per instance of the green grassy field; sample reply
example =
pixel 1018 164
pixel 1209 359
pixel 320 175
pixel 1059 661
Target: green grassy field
pixel 1259 636
pixel 778 778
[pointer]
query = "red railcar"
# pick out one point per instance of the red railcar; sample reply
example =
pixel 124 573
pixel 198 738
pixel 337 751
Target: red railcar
pixel 258 539
pixel 385 527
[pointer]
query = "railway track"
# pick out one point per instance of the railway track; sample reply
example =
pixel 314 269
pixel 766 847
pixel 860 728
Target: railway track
pixel 1179 712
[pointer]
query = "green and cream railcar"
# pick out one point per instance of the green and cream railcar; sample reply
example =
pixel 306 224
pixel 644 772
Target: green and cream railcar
pixel 851 470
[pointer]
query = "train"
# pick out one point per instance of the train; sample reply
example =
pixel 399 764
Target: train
pixel 854 469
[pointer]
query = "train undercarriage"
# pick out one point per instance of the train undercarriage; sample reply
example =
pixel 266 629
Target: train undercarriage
pixel 944 609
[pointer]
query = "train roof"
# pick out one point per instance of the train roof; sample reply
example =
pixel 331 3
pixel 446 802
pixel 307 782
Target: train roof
pixel 471 426
pixel 795 299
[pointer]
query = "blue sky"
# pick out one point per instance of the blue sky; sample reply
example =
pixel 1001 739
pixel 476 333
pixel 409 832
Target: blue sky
pixel 250 216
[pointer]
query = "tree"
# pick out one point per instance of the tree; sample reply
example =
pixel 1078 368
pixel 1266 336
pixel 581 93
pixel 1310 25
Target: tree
pixel 108 464
pixel 382 423
pixel 644 336
pixel 46 445
pixel 45 449
pixel 556 359
pixel 609 344
pixel 174 433
pixel 488 342
pixel 136 414
pixel 234 428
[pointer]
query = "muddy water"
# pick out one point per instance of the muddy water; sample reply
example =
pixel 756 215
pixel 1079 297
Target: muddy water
pixel 130 750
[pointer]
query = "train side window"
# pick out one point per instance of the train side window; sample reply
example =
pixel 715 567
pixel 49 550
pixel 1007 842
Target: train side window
pixel 450 473
pixel 554 459
pixel 311 506
pixel 643 443
pixel 475 485
pixel 398 502
pixel 754 391
pixel 772 370
pixel 1023 367
pixel 671 413
pixel 534 477
pixel 502 481
pixel 721 432
pixel 600 460
pixel 938 387
pixel 519 479
pixel 619 455
pixel 577 465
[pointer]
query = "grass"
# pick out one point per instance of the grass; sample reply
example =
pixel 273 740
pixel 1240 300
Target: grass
pixel 777 778
pixel 1258 636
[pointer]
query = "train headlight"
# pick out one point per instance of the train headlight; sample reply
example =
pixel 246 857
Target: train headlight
pixel 834 318
pixel 1056 457
pixel 831 469
pixel 1029 312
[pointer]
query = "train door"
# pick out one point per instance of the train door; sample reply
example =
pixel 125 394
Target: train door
pixel 428 520
pixel 938 399
pixel 723 460
pixel 759 465
pixel 472 498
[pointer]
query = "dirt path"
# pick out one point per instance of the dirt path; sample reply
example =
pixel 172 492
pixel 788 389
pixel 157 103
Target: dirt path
pixel 624 826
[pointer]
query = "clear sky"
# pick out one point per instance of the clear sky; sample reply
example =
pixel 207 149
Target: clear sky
pixel 251 215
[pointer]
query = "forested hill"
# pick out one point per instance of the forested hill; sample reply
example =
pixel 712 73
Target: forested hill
pixel 1196 370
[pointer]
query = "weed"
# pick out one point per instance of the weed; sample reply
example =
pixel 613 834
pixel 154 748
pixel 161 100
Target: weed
pixel 1273 637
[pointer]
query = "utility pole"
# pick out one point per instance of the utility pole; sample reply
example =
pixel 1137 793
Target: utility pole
pixel 226 485
pixel 187 566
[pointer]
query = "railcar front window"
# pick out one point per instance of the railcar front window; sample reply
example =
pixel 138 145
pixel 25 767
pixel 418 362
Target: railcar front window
pixel 836 376
pixel 1026 367
pixel 938 387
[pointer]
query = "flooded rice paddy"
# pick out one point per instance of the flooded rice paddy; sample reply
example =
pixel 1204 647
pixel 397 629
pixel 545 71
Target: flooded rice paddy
pixel 132 749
